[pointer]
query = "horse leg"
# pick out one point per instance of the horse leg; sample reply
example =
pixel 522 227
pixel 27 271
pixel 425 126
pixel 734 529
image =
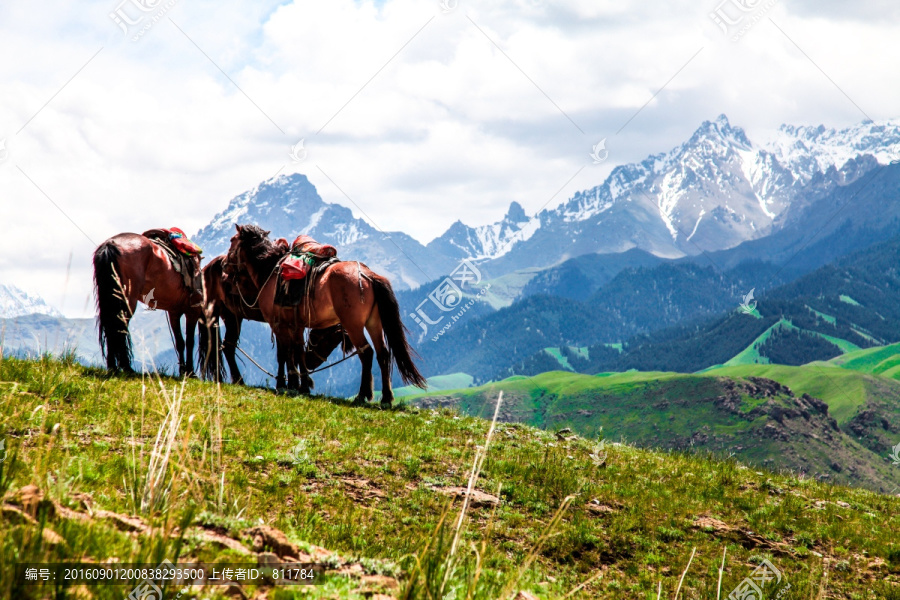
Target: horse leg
pixel 383 354
pixel 229 346
pixel 293 353
pixel 190 324
pixel 366 384
pixel 175 324
pixel 281 351
pixel 306 382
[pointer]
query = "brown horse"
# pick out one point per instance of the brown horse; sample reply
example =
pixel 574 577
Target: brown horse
pixel 346 293
pixel 129 267
pixel 229 299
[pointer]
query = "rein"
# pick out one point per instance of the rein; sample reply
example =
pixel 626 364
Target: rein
pixel 337 362
pixel 256 302
pixel 241 294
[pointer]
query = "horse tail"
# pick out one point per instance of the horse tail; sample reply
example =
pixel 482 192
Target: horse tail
pixel 113 312
pixel 395 331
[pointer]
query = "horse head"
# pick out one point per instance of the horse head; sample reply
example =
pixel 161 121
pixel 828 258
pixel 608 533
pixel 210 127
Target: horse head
pixel 251 254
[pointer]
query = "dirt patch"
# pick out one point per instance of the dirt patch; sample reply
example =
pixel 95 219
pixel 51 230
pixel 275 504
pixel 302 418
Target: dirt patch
pixel 477 499
pixel 745 538
pixel 361 489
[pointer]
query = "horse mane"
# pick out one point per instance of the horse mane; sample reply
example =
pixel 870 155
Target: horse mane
pixel 263 252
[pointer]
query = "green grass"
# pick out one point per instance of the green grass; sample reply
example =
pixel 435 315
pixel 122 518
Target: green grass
pixel 883 361
pixel 750 355
pixel 823 316
pixel 562 360
pixel 451 381
pixel 670 410
pixel 848 300
pixel 248 439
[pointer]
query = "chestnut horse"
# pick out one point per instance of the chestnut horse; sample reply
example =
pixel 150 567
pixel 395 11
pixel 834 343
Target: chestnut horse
pixel 227 298
pixel 129 267
pixel 345 293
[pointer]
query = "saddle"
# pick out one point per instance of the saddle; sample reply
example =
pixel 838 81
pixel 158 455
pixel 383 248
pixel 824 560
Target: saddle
pixel 303 264
pixel 183 253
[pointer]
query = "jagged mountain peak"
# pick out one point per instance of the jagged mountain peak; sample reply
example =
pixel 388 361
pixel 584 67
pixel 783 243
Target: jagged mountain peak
pixel 288 205
pixel 720 130
pixel 810 149
pixel 515 214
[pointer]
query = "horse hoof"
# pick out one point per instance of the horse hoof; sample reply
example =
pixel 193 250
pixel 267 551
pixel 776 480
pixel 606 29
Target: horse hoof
pixel 386 403
pixel 359 401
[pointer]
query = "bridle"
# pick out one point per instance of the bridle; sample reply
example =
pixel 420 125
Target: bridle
pixel 237 265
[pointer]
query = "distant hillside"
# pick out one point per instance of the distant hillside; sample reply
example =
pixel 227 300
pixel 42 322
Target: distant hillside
pixel 756 419
pixel 851 304
pixel 883 360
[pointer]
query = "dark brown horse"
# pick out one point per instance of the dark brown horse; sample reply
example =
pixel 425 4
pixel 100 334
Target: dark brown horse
pixel 127 268
pixel 345 293
pixel 232 300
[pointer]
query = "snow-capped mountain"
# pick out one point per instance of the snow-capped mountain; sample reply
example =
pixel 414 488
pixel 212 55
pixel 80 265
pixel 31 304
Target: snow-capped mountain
pixel 289 205
pixel 715 191
pixel 16 303
pixel 486 241
pixel 809 150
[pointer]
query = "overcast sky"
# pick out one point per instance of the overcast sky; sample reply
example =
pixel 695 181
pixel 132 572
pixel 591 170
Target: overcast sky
pixel 423 113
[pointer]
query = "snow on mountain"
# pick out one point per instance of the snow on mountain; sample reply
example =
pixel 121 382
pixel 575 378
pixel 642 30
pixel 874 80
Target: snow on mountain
pixel 487 241
pixel 289 205
pixel 807 150
pixel 16 303
pixel 713 192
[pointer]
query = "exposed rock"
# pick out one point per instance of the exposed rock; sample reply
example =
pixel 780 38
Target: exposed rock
pixel 14 514
pixel 265 537
pixel 31 500
pixel 123 522
pixel 476 499
pixel 52 538
pixel 599 509
pixel 747 539
pixel 218 539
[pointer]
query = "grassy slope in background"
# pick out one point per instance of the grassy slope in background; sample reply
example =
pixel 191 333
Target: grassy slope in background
pixel 679 411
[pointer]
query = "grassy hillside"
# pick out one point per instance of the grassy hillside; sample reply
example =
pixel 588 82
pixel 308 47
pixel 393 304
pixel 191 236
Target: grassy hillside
pixel 256 477
pixel 883 360
pixel 742 411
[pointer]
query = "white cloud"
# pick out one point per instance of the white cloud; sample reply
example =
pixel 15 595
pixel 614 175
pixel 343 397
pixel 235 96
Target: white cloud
pixel 151 133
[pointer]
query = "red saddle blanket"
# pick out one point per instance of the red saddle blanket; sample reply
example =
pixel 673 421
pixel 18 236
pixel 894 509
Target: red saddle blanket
pixel 305 253
pixel 182 243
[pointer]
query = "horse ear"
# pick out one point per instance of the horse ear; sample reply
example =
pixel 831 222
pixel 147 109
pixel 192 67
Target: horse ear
pixel 267 233
pixel 239 228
